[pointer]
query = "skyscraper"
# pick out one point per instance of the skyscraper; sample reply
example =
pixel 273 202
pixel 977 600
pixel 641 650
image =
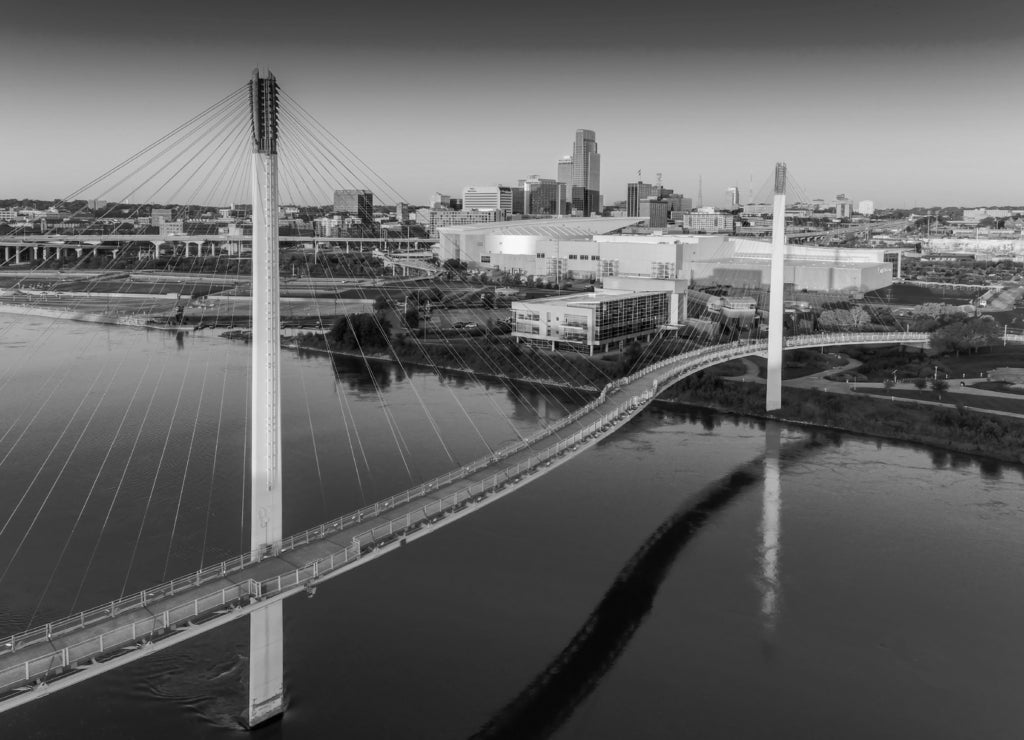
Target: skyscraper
pixel 586 173
pixel 565 179
pixel 542 197
pixel 354 203
pixel 734 197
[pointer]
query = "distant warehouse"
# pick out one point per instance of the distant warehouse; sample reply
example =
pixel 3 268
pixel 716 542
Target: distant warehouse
pixel 590 322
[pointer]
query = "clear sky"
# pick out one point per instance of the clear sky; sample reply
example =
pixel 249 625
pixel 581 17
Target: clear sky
pixel 904 103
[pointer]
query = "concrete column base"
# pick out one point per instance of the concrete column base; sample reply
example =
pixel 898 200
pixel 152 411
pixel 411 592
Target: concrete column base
pixel 266 665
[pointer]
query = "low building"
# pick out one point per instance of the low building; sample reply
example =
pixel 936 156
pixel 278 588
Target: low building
pixel 589 322
pixel 830 269
pixel 705 221
pixel 438 218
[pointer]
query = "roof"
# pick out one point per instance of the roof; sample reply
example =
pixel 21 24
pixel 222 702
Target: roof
pixel 553 228
pixel 590 299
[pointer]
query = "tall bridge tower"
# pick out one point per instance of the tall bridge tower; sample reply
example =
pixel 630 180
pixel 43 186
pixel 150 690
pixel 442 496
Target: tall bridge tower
pixel 266 625
pixel 776 315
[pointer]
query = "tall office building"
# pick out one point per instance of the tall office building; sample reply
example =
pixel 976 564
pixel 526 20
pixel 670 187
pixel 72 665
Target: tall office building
pixel 586 174
pixel 655 210
pixel 565 179
pixel 355 203
pixel 638 191
pixel 843 206
pixel 734 197
pixel 542 197
pixel 487 198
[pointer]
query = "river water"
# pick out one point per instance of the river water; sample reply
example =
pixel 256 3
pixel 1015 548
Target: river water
pixel 694 575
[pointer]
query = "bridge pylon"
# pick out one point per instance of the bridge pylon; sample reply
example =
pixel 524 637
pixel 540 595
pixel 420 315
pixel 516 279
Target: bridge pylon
pixel 776 315
pixel 266 623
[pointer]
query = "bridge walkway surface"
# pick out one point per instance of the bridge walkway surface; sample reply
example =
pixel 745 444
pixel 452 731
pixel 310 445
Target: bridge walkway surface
pixel 77 647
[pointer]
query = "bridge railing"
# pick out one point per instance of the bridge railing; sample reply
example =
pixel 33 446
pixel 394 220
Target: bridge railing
pixel 132 634
pixel 670 369
pixel 127 635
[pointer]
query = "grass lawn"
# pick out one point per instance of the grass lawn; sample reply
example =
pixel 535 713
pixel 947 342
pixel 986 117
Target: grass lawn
pixel 1011 355
pixel 993 403
pixel 729 369
pixel 1000 387
pixel 799 363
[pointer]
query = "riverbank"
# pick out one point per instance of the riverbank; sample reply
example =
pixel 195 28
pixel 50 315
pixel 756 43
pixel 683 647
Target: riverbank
pixel 948 427
pixel 379 357
pixel 137 322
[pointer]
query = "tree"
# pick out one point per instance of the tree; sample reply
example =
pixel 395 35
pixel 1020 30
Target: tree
pixel 859 317
pixel 360 332
pixel 412 317
pixel 920 383
pixel 966 335
pixel 939 385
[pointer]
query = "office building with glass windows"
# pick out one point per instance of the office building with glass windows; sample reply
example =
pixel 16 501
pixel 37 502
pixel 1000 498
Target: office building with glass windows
pixel 586 174
pixel 590 322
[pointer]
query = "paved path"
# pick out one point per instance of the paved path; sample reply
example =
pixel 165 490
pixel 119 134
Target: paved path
pixel 819 381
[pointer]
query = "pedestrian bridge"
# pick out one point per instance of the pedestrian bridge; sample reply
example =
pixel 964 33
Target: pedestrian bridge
pixel 43 659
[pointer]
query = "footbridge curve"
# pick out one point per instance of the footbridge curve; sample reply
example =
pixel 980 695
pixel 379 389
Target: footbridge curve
pixel 67 651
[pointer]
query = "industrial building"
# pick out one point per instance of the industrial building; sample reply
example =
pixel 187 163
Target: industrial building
pixel 595 249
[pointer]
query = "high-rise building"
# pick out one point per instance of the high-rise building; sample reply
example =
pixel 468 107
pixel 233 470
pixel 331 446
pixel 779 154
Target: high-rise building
pixel 518 199
pixel 586 174
pixel 843 206
pixel 487 198
pixel 734 197
pixel 638 191
pixel 354 203
pixel 866 208
pixel 655 211
pixel 677 201
pixel 565 178
pixel 543 197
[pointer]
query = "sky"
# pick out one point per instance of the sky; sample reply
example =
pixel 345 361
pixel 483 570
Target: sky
pixel 903 103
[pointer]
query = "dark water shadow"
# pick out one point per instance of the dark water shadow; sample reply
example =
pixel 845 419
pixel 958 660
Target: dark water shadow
pixel 553 695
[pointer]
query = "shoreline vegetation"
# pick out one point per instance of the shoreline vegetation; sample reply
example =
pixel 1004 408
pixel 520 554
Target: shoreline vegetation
pixel 948 427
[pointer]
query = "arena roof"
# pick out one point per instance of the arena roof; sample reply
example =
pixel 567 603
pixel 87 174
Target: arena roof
pixel 551 228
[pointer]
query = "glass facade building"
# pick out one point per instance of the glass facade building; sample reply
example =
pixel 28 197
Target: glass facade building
pixel 357 203
pixel 590 322
pixel 586 174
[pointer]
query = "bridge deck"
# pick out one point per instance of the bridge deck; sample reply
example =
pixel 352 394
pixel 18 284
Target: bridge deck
pixel 112 634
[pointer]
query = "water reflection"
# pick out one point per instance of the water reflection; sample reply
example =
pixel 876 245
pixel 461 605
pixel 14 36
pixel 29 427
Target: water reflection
pixel 990 469
pixel 553 695
pixel 770 514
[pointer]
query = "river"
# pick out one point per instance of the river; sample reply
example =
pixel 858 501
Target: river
pixel 678 580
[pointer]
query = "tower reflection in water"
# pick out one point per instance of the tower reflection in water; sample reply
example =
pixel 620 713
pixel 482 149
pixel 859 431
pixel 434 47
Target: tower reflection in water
pixel 771 502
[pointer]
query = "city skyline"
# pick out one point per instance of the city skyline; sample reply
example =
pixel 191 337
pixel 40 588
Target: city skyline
pixel 900 106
